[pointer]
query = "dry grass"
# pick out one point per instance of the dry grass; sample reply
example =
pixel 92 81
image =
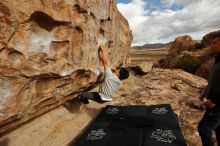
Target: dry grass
pixel 146 55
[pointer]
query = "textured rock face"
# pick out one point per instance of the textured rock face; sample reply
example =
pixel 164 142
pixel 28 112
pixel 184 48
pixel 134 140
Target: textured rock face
pixel 49 52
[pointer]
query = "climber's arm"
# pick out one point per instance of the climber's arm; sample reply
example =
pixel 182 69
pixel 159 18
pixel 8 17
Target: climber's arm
pixel 104 56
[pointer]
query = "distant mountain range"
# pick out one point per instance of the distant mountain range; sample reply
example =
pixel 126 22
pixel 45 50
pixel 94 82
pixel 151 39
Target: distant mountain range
pixel 153 46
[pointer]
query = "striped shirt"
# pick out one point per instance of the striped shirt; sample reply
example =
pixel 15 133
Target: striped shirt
pixel 109 86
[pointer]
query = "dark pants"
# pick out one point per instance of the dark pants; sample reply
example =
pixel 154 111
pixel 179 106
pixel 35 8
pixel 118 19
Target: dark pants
pixel 85 97
pixel 210 122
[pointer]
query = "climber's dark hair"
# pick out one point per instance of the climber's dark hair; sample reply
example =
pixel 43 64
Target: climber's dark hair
pixel 124 73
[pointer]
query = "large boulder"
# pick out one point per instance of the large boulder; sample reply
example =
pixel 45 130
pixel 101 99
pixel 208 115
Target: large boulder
pixel 49 52
pixel 192 56
pixel 180 47
pixel 183 43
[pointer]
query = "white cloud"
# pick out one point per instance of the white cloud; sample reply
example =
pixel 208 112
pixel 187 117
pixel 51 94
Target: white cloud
pixel 185 1
pixel 181 2
pixel 135 12
pixel 197 18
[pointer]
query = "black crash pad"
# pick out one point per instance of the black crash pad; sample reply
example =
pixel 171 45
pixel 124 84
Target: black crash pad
pixel 136 125
pixel 162 114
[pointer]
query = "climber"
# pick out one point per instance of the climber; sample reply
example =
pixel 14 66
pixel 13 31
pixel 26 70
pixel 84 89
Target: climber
pixel 111 83
pixel 211 118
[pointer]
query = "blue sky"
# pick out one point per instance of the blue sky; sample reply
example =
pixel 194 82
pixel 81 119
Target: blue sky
pixel 155 4
pixel 123 1
pixel 161 21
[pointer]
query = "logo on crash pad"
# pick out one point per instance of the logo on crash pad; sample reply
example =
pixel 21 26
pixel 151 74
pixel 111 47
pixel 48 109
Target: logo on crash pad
pixel 112 111
pixel 96 134
pixel 160 111
pixel 166 136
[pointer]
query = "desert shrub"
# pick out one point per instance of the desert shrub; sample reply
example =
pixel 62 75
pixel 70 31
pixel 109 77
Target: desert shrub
pixel 189 64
